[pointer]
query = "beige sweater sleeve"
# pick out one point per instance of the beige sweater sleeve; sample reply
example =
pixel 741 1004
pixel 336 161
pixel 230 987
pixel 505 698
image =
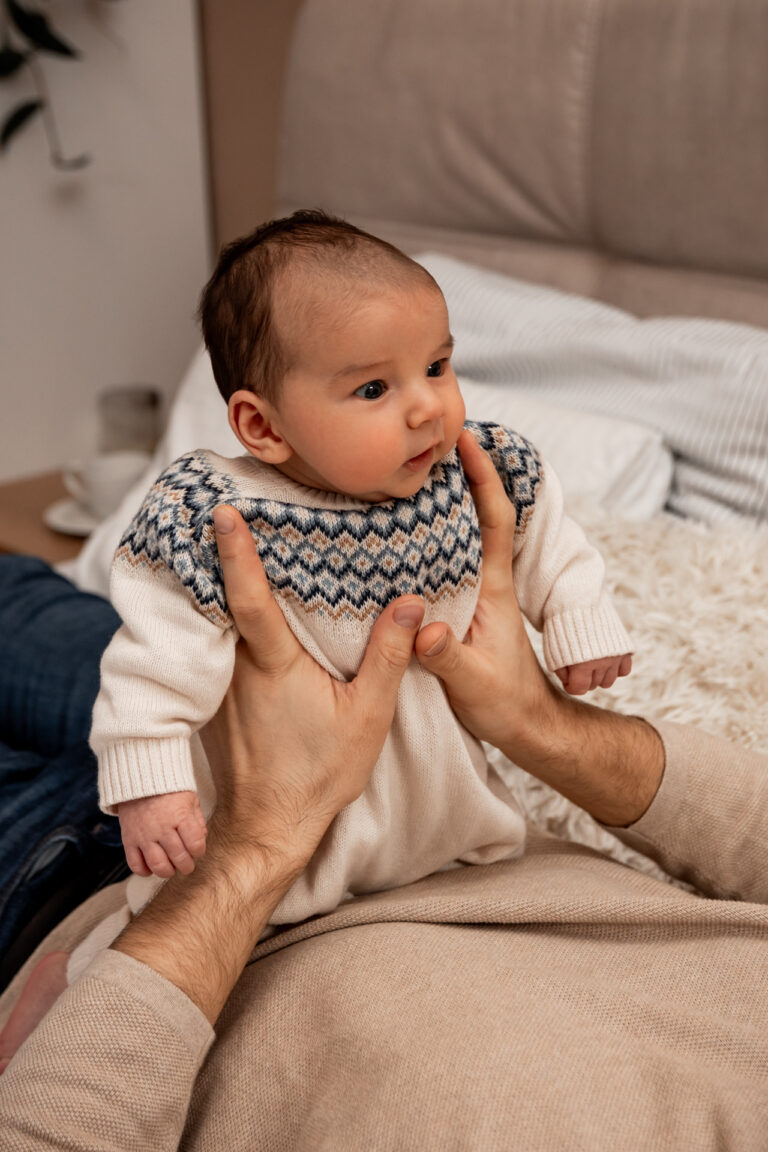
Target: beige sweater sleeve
pixel 163 676
pixel 120 1052
pixel 110 1067
pixel 560 584
pixel 708 823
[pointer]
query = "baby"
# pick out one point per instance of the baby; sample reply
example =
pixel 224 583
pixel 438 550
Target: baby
pixel 333 352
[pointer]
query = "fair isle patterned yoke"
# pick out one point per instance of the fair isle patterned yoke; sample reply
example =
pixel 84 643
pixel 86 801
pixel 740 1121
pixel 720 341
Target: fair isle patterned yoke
pixel 347 562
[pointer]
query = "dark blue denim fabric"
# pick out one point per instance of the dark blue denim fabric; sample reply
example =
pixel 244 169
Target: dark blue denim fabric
pixel 56 847
pixel 52 636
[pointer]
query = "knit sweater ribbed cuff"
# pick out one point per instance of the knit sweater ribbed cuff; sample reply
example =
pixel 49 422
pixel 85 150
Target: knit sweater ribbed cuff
pixel 582 634
pixel 136 768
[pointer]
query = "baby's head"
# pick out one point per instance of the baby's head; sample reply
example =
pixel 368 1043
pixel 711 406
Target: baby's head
pixel 332 349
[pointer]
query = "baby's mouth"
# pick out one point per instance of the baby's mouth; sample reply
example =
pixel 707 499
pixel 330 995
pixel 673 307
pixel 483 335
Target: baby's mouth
pixel 419 461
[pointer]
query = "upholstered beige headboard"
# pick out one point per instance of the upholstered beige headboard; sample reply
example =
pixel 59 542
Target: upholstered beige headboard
pixel 616 148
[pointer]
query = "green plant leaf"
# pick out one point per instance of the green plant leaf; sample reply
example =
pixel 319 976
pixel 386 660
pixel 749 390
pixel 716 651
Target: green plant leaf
pixel 35 27
pixel 16 118
pixel 10 61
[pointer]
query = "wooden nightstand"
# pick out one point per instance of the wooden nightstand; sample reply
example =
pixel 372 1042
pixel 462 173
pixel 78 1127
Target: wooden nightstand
pixel 22 503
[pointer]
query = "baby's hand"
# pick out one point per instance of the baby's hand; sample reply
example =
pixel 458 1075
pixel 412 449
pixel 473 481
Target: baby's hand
pixel 580 678
pixel 162 834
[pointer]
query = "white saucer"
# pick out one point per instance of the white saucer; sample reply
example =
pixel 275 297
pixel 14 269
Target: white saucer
pixel 69 517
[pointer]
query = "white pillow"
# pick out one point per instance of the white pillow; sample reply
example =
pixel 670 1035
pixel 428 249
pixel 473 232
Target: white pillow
pixel 701 384
pixel 613 463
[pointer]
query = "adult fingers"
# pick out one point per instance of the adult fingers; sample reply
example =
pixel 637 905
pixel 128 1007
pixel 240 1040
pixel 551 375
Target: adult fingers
pixel 389 652
pixel 626 666
pixel 257 616
pixel 494 513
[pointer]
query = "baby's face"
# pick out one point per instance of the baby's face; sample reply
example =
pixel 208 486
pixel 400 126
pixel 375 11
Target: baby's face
pixel 371 402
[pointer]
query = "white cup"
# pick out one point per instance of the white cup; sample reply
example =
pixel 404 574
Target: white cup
pixel 99 483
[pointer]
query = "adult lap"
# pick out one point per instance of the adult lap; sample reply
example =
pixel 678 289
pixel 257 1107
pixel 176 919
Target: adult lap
pixel 484 1003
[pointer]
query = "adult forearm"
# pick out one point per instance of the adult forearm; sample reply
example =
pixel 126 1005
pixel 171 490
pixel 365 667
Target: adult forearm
pixel 609 764
pixel 199 930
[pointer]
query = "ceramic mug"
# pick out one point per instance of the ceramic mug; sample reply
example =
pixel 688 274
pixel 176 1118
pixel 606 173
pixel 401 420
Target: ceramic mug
pixel 99 483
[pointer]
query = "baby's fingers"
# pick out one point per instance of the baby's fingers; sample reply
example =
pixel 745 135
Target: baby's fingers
pixel 176 852
pixel 193 832
pixel 579 679
pixel 158 861
pixel 618 666
pixel 136 862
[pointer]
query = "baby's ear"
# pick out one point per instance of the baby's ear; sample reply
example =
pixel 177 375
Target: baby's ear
pixel 255 423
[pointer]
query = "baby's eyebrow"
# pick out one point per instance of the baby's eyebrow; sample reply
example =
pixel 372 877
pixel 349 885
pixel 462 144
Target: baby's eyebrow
pixel 355 369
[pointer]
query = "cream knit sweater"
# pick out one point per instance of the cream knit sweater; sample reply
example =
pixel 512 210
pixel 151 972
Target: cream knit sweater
pixel 334 563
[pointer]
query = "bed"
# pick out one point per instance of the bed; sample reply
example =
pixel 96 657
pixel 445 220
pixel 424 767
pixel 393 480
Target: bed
pixel 588 183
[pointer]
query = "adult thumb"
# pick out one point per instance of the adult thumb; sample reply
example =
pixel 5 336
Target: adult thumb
pixel 390 648
pixel 439 652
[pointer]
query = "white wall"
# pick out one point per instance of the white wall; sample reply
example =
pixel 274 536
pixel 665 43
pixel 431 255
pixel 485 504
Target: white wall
pixel 100 269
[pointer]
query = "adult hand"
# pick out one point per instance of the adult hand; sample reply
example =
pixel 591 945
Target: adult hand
pixel 289 748
pixel 494 681
pixel 297 743
pixel 609 764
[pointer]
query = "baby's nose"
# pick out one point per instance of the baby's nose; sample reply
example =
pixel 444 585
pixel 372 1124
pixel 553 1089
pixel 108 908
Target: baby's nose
pixel 426 404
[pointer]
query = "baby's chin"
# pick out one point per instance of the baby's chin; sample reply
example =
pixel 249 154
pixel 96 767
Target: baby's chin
pixel 410 481
pixel 396 489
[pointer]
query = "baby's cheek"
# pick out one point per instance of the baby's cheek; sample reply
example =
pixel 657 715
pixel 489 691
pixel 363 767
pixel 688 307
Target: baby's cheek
pixel 371 465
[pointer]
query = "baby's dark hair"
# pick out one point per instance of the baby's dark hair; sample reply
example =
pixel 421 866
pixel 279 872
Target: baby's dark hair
pixel 236 304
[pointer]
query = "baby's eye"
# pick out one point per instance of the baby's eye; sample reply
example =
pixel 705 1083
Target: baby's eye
pixel 435 369
pixel 372 390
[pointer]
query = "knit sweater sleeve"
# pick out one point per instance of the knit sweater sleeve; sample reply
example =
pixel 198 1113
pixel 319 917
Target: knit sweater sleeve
pixel 168 666
pixel 708 822
pixel 559 576
pixel 111 1066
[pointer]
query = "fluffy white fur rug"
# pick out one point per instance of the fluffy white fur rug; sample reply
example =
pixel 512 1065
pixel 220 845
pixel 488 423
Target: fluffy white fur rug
pixel 695 601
